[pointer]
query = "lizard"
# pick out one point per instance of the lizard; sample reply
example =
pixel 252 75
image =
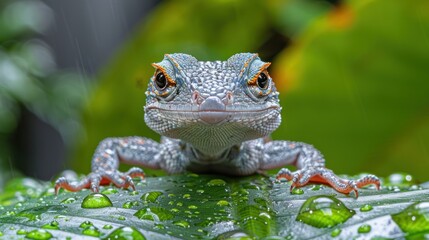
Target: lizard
pixel 213 116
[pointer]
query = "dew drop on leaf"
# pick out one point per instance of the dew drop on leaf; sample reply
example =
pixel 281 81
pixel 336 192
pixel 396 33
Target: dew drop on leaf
pixel 126 233
pixel 222 203
pixel 335 232
pixel 365 228
pixel 109 191
pixel 96 200
pixel 324 211
pixel 91 231
pixel 366 208
pixel 182 223
pixel 39 234
pixel 52 225
pixel 151 196
pixel 216 183
pixel 154 214
pixel 107 226
pixel 21 232
pixel 297 191
pixel 69 200
pixel 85 224
pixel 414 218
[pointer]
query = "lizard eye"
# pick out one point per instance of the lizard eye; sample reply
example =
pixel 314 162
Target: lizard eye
pixel 262 81
pixel 160 81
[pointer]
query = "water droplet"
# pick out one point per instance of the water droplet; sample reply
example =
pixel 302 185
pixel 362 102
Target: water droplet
pixel 297 191
pixel 186 196
pixel 249 185
pixel 159 226
pixel 154 214
pixel 192 207
pixel 179 204
pixel 133 193
pixel 323 211
pixel 200 191
pixel 34 214
pixel 91 231
pixel 107 226
pixel 86 224
pixel 194 175
pixel 68 200
pixel 366 208
pixel 365 228
pixel 126 233
pixel 182 223
pixel 315 187
pixel 174 210
pixel 336 232
pixel 216 183
pixel 21 232
pixel 39 234
pixel 109 191
pixel 414 218
pixel 222 203
pixel 96 200
pixel 130 204
pixel 52 225
pixel 151 196
pixel 122 218
pixel 171 195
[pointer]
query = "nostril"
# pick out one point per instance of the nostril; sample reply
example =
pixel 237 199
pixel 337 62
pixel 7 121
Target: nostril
pixel 196 97
pixel 229 98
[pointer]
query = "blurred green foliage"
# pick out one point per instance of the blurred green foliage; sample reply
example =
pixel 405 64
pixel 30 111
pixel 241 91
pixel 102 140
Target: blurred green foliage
pixel 29 78
pixel 353 79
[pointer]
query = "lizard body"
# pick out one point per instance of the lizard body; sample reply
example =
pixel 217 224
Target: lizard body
pixel 213 117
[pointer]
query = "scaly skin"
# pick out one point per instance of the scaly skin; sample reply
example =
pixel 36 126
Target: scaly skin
pixel 213 117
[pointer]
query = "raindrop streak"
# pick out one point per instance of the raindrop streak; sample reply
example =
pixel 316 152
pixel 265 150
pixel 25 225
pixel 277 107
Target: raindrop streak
pixel 154 214
pixel 96 200
pixel 413 219
pixel 39 234
pixel 126 233
pixel 324 211
pixel 151 196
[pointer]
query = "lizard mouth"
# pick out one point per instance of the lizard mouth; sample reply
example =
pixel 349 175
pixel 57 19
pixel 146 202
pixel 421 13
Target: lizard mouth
pixel 216 116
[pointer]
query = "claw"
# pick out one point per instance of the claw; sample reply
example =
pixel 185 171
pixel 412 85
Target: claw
pixel 325 176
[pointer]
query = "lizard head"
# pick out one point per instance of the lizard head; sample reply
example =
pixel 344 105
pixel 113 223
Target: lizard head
pixel 212 105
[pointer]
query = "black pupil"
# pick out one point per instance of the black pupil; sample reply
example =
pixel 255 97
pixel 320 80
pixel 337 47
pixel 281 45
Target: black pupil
pixel 262 80
pixel 160 80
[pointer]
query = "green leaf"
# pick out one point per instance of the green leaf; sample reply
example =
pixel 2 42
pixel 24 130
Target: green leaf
pixel 208 206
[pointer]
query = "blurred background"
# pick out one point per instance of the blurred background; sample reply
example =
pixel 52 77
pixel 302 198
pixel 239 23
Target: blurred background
pixel 353 75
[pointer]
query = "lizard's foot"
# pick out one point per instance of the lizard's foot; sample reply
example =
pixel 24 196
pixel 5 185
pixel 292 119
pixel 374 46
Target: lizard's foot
pixel 325 176
pixel 95 179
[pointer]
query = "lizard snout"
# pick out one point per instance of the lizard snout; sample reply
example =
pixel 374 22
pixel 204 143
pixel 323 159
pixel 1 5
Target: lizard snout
pixel 212 110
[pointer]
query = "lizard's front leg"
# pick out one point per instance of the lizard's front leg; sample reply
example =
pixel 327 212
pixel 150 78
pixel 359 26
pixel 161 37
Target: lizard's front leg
pixel 105 163
pixel 311 167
